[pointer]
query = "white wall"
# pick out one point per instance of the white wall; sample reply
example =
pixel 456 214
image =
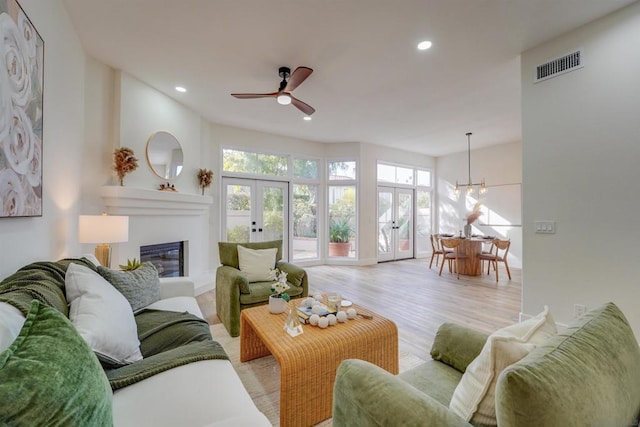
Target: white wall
pixel 581 152
pixel 53 235
pixel 500 166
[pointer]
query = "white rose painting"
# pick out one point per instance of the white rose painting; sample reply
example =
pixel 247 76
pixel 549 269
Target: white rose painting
pixel 21 90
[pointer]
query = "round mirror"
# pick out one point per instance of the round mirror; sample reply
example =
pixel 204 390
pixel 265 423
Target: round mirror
pixel 164 155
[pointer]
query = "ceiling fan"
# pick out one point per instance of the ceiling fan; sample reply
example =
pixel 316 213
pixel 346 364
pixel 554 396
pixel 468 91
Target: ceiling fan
pixel 283 95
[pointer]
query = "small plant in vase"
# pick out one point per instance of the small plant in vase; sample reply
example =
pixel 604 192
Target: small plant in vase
pixel 205 178
pixel 279 297
pixel 124 162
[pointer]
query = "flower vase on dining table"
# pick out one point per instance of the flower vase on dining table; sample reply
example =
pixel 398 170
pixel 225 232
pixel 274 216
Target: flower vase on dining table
pixel 467 231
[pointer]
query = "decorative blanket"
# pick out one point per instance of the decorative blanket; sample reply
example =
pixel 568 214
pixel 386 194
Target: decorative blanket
pixel 167 339
pixel 43 281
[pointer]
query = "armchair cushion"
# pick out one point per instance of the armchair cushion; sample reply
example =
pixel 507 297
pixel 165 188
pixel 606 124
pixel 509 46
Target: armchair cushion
pixel 229 252
pixel 588 373
pixel 457 346
pixel 257 264
pixel 474 397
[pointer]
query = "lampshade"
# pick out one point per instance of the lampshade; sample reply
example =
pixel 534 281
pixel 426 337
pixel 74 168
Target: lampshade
pixel 103 229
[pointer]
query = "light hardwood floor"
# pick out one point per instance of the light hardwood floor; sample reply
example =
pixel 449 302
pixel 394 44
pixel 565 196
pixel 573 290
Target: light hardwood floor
pixel 416 298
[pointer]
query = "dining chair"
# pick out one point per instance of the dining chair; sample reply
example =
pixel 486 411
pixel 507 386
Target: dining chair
pixel 454 255
pixel 487 252
pixel 436 250
pixel 500 255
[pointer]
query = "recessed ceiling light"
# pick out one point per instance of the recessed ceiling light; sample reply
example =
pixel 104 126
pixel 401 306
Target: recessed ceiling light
pixel 424 45
pixel 180 89
pixel 307 118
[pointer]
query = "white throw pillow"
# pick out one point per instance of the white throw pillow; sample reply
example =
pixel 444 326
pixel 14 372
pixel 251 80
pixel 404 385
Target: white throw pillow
pixel 11 321
pixel 257 263
pixel 474 397
pixel 102 316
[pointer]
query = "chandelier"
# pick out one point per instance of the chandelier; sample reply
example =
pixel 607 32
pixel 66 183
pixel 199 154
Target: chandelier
pixel 470 185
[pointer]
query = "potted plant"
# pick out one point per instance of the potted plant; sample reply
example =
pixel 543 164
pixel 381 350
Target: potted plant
pixel 339 233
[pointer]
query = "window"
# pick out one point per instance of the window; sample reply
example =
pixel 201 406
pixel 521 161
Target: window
pixel 342 171
pixel 305 221
pixel 395 174
pixel 342 220
pixel 424 178
pixel 254 163
pixel 306 168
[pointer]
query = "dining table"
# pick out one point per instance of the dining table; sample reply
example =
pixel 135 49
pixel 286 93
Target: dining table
pixel 471 248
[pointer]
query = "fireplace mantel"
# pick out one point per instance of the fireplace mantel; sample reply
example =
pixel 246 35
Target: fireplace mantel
pixel 144 202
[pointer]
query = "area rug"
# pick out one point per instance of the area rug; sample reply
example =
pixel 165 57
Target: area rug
pixel 261 377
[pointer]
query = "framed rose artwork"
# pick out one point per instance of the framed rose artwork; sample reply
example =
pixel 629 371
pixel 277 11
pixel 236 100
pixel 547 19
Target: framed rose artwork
pixel 21 102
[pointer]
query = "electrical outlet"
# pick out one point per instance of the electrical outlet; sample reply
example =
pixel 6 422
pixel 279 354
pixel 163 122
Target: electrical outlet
pixel 579 310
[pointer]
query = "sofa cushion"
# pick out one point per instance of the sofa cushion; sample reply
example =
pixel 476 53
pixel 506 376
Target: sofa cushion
pixel 436 379
pixel 257 264
pixel 474 397
pixel 196 394
pixel 11 321
pixel 228 251
pixel 102 316
pixel 592 368
pixel 140 287
pixel 49 376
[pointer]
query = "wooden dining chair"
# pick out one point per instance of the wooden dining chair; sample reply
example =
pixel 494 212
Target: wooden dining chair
pixel 451 256
pixel 500 255
pixel 436 250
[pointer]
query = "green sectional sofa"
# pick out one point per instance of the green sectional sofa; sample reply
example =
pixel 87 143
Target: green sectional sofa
pixel 586 375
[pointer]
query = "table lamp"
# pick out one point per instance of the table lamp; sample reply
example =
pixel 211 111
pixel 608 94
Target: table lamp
pixel 103 229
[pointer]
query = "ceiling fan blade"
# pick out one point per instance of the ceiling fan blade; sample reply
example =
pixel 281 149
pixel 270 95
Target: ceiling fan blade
pixel 254 95
pixel 299 75
pixel 302 106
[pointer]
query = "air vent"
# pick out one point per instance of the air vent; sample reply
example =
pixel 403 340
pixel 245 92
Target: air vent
pixel 555 67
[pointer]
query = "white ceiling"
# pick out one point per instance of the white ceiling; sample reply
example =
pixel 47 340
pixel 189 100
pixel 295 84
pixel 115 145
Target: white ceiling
pixel 370 83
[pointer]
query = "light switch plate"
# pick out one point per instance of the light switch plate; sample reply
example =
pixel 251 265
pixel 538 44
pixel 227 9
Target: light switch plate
pixel 545 227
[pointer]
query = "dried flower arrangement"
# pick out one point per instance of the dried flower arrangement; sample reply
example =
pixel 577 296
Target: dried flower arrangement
pixel 205 177
pixel 474 214
pixel 124 162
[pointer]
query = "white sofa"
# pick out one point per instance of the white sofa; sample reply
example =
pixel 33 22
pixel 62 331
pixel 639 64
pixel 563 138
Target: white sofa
pixel 203 393
pixel 206 393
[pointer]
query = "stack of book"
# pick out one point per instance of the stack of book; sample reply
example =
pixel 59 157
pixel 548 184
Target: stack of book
pixel 305 312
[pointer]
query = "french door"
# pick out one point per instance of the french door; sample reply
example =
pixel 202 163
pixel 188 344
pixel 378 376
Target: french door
pixel 395 223
pixel 255 211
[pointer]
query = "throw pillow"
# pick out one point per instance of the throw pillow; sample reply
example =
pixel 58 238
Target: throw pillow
pixel 49 376
pixel 257 263
pixel 474 397
pixel 11 321
pixel 140 287
pixel 102 316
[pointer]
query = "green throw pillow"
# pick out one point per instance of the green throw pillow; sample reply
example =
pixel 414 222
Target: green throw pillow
pixel 140 287
pixel 49 376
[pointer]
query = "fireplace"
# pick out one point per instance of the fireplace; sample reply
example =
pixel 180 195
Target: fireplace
pixel 168 258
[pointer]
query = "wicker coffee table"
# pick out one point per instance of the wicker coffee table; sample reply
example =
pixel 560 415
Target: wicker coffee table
pixel 308 362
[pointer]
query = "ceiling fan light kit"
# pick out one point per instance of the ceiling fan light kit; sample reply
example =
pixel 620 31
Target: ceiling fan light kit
pixel 283 95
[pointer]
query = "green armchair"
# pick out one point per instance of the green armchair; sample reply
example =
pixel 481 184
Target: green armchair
pixel 234 292
pixel 588 374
